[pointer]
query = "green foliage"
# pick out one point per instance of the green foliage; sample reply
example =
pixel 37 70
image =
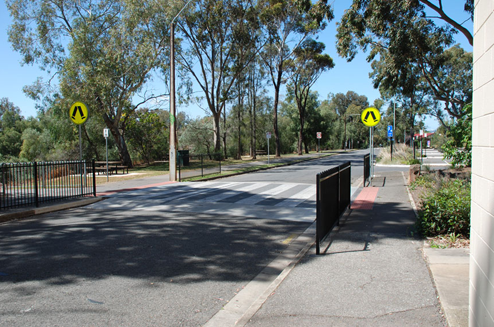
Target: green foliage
pixel 459 147
pixel 446 210
pixel 426 181
pixel 148 134
pixel 413 162
pixel 103 54
pixel 11 125
pixel 412 56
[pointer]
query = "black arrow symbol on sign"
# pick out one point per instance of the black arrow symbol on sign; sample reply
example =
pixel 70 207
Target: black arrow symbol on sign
pixel 373 116
pixel 78 108
pixel 367 116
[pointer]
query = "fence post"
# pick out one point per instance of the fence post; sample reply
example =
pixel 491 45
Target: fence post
pixel 202 165
pixel 94 177
pixel 318 213
pixel 219 160
pixel 36 183
pixel 339 196
pixel 179 166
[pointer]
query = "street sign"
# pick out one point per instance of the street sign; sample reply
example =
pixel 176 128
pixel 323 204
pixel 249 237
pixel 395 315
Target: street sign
pixel 370 117
pixel 319 135
pixel 390 130
pixel 106 132
pixel 268 135
pixel 78 113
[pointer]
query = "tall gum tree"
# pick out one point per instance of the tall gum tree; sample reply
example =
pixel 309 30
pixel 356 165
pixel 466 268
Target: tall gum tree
pixel 218 46
pixel 305 69
pixel 103 52
pixel 406 42
pixel 287 24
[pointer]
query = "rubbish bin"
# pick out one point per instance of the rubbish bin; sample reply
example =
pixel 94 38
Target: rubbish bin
pixel 183 157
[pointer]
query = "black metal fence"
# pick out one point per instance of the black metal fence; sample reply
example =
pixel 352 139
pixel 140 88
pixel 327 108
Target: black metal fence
pixel 333 191
pixel 33 183
pixel 367 168
pixel 198 164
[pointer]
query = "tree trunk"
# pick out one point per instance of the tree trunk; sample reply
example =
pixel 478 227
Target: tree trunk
pixel 92 146
pixel 300 136
pixel 224 135
pixel 240 149
pixel 275 111
pixel 216 130
pixel 123 152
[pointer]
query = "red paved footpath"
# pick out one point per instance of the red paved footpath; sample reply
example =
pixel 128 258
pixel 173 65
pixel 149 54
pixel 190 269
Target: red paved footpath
pixel 365 200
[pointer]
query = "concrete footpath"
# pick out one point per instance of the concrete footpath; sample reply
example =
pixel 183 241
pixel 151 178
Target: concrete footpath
pixel 373 272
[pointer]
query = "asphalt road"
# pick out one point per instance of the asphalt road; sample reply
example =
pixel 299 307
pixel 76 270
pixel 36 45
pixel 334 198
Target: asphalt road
pixel 143 263
pixel 305 172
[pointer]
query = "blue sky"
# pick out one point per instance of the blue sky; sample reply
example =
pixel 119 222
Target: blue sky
pixel 346 76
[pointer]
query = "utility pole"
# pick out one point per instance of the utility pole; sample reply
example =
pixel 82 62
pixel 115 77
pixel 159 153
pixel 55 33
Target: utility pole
pixel 173 129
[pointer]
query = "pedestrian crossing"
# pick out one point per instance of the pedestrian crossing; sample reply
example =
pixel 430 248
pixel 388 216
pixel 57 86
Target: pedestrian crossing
pixel 242 193
pixel 273 200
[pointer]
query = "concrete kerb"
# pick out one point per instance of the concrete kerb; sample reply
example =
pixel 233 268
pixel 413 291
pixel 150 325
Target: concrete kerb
pixel 443 274
pixel 22 214
pixel 247 302
pixel 250 299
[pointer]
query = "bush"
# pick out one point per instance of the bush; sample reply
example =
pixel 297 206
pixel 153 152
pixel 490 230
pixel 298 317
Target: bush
pixel 446 210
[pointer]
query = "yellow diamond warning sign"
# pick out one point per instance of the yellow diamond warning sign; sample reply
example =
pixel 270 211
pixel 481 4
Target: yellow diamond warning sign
pixel 78 113
pixel 370 117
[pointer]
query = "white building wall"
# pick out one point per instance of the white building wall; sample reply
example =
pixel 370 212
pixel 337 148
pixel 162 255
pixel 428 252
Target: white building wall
pixel 482 229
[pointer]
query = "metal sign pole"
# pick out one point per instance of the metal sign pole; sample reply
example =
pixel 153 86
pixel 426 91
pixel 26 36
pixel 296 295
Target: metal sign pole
pixel 372 142
pixel 80 144
pixel 370 150
pixel 106 140
pixel 268 150
pixel 106 133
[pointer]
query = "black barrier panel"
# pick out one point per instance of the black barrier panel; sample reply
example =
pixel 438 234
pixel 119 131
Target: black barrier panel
pixel 198 165
pixel 34 183
pixel 345 187
pixel 327 193
pixel 367 168
pixel 333 190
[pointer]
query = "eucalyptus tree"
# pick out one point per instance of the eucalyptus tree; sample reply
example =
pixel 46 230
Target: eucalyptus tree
pixel 197 135
pixel 305 69
pixel 10 129
pixel 341 103
pixel 407 48
pixel 103 52
pixel 218 45
pixel 287 24
pixel 255 88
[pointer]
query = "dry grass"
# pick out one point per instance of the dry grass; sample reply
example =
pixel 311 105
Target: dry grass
pixel 402 154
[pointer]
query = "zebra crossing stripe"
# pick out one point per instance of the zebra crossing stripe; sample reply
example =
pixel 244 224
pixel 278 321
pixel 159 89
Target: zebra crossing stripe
pixel 266 194
pixel 159 192
pixel 232 193
pixel 202 189
pixel 298 198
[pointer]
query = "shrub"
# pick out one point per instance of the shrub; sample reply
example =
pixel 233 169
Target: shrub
pixel 446 210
